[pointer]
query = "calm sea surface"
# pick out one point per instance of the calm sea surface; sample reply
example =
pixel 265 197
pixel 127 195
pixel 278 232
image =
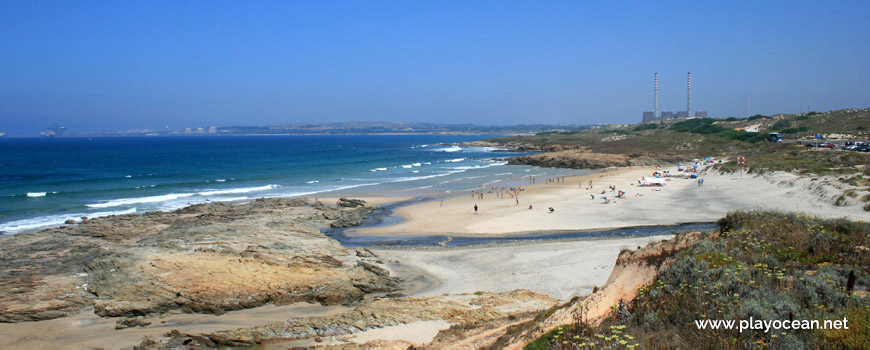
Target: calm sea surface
pixel 45 181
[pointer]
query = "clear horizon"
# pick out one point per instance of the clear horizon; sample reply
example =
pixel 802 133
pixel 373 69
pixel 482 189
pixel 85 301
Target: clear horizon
pixel 108 66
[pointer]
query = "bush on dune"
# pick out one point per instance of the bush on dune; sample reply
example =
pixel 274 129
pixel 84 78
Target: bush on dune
pixel 764 265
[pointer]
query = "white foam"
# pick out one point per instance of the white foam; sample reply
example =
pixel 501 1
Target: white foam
pixel 128 176
pixel 416 164
pixel 478 166
pixel 150 199
pixel 17 226
pixel 237 190
pixel 407 166
pixel 234 199
pixel 427 163
pixel 415 171
pixel 35 194
pixel 379 169
pixel 312 182
pixel 404 179
pixel 451 149
pixel 457 160
pixel 219 180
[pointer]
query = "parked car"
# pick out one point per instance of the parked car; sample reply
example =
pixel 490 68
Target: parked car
pixel 863 148
pixel 827 145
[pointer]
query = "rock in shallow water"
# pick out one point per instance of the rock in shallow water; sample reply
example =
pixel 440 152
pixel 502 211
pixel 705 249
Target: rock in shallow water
pixel 208 258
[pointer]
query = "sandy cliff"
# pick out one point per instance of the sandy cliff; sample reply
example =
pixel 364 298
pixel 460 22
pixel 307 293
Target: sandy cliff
pixel 633 269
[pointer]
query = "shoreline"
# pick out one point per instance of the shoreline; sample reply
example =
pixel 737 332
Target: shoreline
pixel 503 255
pixel 578 208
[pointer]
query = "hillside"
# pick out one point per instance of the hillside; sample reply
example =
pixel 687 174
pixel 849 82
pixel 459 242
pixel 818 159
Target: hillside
pixel 759 265
pixel 674 140
pixel 702 137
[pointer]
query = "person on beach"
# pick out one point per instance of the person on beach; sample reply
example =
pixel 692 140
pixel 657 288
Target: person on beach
pixel 530 207
pixel 475 209
pixel 442 203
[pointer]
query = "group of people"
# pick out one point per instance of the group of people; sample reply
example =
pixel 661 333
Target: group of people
pixel 514 192
pixel 559 179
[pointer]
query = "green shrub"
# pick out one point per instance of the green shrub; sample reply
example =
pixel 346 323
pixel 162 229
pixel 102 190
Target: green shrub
pixel 615 131
pixel 781 124
pixel 691 124
pixel 646 127
pixel 858 335
pixel 796 130
pixel 742 135
pixel 764 265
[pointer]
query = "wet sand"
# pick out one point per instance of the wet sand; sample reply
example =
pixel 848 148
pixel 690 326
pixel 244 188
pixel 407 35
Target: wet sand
pixel 559 269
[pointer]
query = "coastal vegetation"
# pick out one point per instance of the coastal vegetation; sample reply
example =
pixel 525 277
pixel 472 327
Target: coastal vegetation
pixel 679 139
pixel 702 137
pixel 759 265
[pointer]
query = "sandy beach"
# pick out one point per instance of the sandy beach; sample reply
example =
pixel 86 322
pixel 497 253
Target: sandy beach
pixel 575 208
pixel 535 266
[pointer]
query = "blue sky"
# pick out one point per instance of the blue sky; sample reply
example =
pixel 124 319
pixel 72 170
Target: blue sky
pixel 98 66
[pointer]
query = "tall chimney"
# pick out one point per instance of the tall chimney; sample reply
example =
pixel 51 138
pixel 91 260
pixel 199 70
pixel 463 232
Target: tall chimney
pixel 656 94
pixel 689 97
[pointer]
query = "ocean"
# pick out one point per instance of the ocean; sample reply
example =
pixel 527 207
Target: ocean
pixel 46 181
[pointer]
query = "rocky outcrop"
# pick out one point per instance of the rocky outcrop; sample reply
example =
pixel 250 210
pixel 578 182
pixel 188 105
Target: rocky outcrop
pixel 208 258
pixel 518 146
pixel 572 159
pixel 350 218
pixel 379 313
pixel 584 159
pixel 351 203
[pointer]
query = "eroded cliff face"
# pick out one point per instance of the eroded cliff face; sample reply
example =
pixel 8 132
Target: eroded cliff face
pixel 208 258
pixel 633 269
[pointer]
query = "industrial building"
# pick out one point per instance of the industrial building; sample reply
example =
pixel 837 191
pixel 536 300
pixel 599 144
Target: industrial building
pixel 654 115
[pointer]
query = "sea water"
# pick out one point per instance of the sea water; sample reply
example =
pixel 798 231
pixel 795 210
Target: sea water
pixel 46 181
